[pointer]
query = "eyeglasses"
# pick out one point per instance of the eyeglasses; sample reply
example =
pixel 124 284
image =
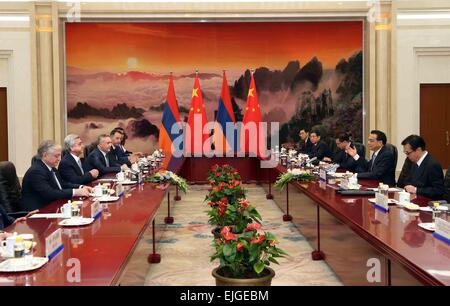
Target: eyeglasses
pixel 407 153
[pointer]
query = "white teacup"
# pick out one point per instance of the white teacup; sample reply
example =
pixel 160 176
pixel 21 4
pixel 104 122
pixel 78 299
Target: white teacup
pixel 66 210
pixel 120 176
pixel 404 196
pixel 98 191
pixel 8 245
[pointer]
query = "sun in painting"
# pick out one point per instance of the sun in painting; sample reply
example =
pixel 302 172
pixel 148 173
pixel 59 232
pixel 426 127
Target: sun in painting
pixel 132 63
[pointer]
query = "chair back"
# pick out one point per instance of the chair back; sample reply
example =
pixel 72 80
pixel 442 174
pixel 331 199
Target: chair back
pixel 394 151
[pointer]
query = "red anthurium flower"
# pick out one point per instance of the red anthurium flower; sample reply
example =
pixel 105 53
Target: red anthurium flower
pixel 224 200
pixel 229 236
pixel 225 229
pixel 258 240
pixel 239 246
pixel 211 203
pixel 253 227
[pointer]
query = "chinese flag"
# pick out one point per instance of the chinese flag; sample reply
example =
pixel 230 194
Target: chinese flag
pixel 196 121
pixel 253 140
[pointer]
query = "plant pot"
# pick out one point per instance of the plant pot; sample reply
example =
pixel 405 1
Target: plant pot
pixel 265 280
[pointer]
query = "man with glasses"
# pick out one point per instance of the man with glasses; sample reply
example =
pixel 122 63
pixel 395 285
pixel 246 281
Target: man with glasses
pixel 426 177
pixel 381 166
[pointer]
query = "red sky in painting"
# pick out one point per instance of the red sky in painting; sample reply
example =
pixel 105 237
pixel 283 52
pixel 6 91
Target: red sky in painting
pixel 162 47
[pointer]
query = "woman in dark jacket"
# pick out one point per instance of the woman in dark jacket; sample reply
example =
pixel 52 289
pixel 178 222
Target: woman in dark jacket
pixel 11 186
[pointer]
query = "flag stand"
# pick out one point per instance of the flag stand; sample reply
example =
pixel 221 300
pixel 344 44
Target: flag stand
pixel 168 219
pixel 154 257
pixel 287 216
pixel 177 196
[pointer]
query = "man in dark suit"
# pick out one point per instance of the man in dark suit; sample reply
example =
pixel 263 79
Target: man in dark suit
pixel 117 135
pixel 426 177
pixel 341 157
pixel 381 166
pixel 304 145
pixel 319 148
pixel 447 185
pixel 103 159
pixel 42 183
pixel 71 168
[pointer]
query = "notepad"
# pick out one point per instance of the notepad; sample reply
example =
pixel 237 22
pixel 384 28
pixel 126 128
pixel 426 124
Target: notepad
pixel 46 216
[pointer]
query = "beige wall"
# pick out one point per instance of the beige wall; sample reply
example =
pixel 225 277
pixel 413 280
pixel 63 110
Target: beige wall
pixel 15 75
pixel 422 54
pixel 389 85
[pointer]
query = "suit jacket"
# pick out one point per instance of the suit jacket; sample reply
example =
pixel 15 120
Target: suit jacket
pixel 408 166
pixel 320 150
pixel 447 185
pixel 97 161
pixel 5 220
pixel 428 178
pixel 345 161
pixel 39 187
pixel 383 168
pixel 71 172
pixel 304 147
pixel 121 155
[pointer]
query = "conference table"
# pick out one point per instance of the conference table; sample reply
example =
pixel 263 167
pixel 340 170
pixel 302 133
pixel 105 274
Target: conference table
pixel 362 244
pixel 98 253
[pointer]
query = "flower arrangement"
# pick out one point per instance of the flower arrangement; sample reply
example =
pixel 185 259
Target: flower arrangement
pixel 225 182
pixel 293 175
pixel 247 254
pixel 168 177
pixel 245 251
pixel 236 214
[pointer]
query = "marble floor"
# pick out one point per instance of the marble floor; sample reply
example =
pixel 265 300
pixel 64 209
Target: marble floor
pixel 185 247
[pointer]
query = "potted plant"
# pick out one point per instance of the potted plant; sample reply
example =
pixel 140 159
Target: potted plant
pixel 237 215
pixel 245 257
pixel 226 200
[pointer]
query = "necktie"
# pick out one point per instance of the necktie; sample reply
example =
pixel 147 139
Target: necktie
pixel 107 161
pixel 80 165
pixel 56 178
pixel 373 161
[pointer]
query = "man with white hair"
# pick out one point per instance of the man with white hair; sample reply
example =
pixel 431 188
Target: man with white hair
pixel 42 183
pixel 71 168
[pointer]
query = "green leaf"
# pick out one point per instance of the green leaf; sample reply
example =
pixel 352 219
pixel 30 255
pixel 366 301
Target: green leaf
pixel 271 259
pixel 227 250
pixel 258 267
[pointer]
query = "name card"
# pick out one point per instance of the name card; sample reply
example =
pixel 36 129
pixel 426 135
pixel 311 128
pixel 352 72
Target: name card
pixel 382 202
pixel 119 189
pixel 53 244
pixel 96 209
pixel 442 231
pixel 323 175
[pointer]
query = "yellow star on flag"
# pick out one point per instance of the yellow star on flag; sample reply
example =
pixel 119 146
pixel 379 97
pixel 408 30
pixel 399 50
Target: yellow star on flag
pixel 194 92
pixel 250 92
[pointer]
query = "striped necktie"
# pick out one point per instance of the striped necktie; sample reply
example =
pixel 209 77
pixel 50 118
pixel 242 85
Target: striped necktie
pixel 56 178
